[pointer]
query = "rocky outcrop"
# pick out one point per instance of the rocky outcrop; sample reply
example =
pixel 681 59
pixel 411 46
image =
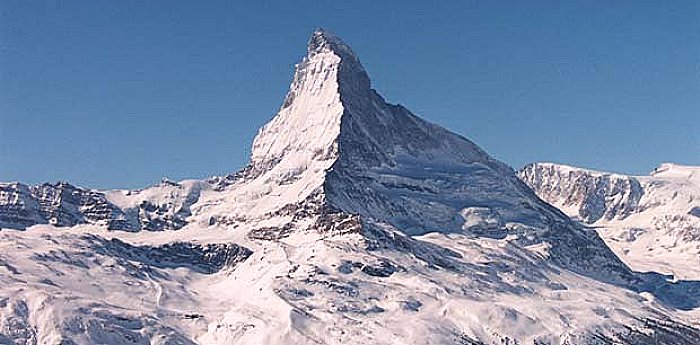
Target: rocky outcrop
pixel 59 204
pixel 666 203
pixel 18 207
pixel 593 195
pixel 64 205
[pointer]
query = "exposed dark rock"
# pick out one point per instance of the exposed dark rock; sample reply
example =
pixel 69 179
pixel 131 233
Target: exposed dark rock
pixel 597 195
pixel 203 258
pixel 59 204
pixel 381 268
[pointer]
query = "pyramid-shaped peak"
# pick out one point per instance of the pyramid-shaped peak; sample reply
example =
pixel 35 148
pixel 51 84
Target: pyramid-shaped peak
pixel 337 145
pixel 323 43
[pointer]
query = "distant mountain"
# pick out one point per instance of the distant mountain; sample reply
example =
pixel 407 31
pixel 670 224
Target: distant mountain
pixel 653 222
pixel 61 204
pixel 354 222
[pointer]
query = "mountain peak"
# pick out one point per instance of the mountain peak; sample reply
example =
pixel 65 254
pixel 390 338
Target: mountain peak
pixel 323 39
pixel 308 123
pixel 327 52
pixel 337 142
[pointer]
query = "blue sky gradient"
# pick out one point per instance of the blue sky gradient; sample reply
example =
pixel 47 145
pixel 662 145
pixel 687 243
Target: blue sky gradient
pixel 122 93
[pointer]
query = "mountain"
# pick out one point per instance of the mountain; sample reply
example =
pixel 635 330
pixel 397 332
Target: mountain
pixel 355 221
pixel 652 222
pixel 61 204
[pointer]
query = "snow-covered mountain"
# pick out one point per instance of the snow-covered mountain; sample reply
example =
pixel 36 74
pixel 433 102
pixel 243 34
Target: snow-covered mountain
pixel 652 222
pixel 161 207
pixel 354 222
pixel 61 204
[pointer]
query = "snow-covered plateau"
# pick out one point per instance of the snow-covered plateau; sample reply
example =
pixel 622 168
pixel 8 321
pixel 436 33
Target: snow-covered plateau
pixel 355 222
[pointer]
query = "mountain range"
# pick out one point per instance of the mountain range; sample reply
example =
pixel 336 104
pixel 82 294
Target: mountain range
pixel 651 222
pixel 354 222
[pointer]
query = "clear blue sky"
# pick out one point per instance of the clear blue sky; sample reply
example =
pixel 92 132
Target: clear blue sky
pixel 122 93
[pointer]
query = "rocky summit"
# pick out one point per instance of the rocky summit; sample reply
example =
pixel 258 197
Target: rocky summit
pixel 355 222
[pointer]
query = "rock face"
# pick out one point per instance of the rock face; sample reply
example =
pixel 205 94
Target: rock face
pixel 18 207
pixel 667 200
pixel 652 222
pixel 161 207
pixel 591 195
pixel 354 222
pixel 59 204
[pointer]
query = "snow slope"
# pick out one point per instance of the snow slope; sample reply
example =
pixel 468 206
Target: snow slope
pixel 355 222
